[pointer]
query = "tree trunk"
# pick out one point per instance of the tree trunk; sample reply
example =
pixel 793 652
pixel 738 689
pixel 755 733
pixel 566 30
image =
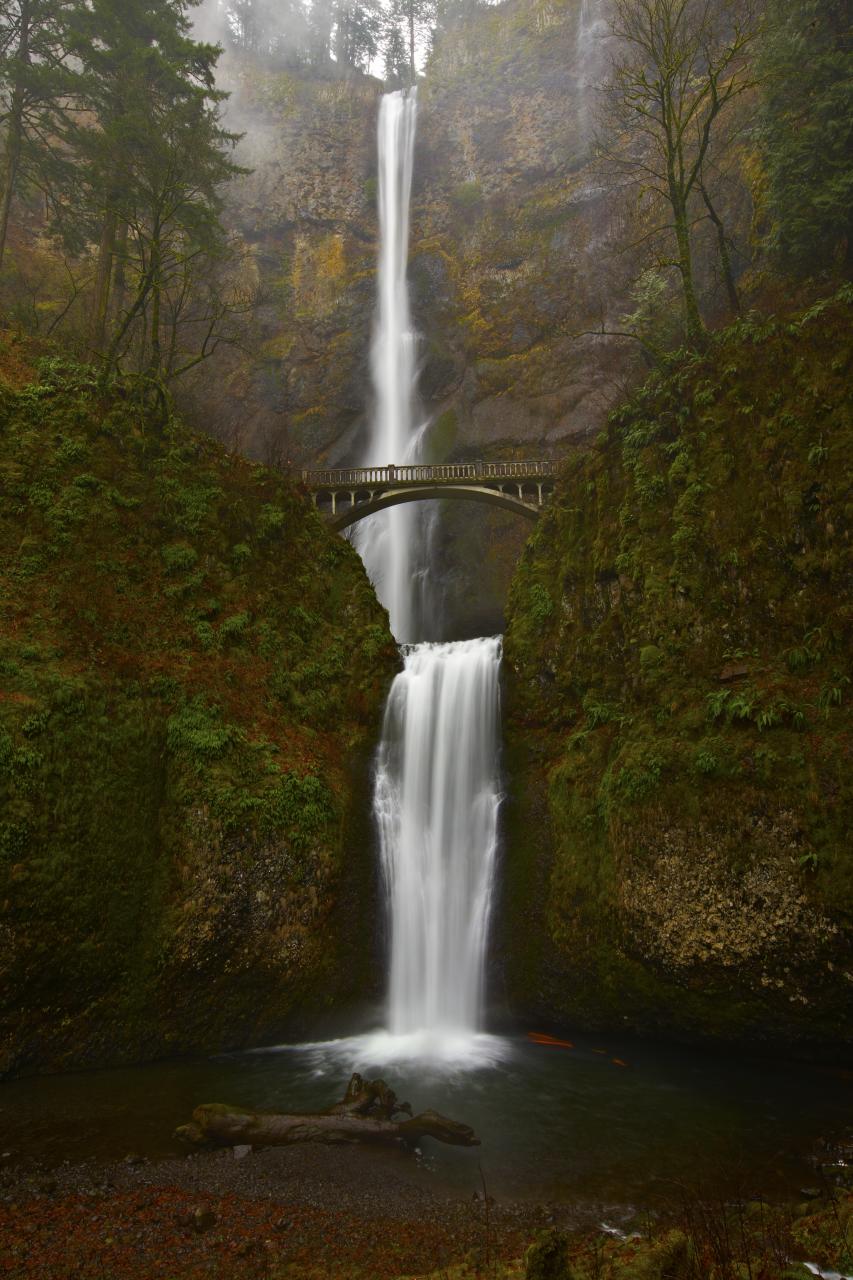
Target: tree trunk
pixel 103 280
pixel 365 1114
pixel 15 132
pixel 120 274
pixel 693 325
pixel 723 247
pixel 13 157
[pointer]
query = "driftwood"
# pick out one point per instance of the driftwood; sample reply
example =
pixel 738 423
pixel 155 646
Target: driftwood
pixel 366 1113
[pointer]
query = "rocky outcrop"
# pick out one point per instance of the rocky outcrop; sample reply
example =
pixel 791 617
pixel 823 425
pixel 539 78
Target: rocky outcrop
pixel 508 242
pixel 678 706
pixel 509 257
pixel 306 212
pixel 191 675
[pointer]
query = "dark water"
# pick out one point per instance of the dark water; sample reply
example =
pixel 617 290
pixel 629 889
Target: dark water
pixel 554 1123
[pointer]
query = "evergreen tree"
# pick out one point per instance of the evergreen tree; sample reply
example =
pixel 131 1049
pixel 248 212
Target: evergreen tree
pixel 36 85
pixel 321 21
pixel 358 32
pixel 273 29
pixel 807 60
pixel 412 19
pixel 152 168
pixel 396 55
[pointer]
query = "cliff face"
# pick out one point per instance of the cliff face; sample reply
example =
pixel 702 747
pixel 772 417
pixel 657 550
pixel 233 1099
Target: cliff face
pixel 306 213
pixel 191 673
pixel 677 662
pixel 517 252
pixel 510 228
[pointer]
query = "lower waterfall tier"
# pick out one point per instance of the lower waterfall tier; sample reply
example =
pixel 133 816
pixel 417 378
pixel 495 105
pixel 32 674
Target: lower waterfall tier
pixel 436 802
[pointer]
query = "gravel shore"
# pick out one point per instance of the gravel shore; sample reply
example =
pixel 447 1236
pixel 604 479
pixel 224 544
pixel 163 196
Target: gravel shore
pixel 299 1211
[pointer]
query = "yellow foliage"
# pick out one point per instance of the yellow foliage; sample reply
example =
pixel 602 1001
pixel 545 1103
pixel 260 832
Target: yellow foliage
pixel 319 272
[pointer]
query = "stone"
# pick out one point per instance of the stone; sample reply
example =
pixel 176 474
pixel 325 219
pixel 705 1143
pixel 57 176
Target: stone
pixel 731 673
pixel 202 1219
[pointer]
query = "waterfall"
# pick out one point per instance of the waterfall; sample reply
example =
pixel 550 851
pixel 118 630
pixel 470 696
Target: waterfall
pixel 436 802
pixel 592 32
pixel 436 794
pixel 392 544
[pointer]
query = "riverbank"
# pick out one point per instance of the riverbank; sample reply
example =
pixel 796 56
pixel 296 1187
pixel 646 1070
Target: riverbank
pixel 311 1211
pixel 300 1211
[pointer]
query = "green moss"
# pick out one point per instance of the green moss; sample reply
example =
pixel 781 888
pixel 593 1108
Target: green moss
pixel 678 639
pixel 173 832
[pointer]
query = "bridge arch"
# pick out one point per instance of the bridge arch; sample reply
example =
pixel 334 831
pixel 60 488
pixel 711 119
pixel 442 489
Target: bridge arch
pixel 391 498
pixel 347 495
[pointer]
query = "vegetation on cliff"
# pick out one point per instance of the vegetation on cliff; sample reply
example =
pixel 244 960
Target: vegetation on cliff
pixel 678 666
pixel 191 668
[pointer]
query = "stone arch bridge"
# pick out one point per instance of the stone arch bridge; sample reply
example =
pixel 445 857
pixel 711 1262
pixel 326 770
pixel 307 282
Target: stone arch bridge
pixel 346 496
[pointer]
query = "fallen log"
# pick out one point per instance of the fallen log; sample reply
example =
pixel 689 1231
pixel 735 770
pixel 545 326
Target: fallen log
pixel 366 1113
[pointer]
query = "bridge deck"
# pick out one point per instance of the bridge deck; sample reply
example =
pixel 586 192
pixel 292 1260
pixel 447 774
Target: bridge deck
pixel 349 494
pixel 429 473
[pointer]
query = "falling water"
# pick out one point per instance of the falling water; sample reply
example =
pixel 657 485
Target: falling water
pixel 436 792
pixel 590 45
pixel 436 802
pixel 592 31
pixel 392 543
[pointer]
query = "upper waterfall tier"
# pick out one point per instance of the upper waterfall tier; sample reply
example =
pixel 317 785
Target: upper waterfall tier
pixel 392 544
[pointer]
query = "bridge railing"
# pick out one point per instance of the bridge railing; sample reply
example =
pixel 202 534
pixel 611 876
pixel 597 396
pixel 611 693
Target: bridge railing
pixel 361 477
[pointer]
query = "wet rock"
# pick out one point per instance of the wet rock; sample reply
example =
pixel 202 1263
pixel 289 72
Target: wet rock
pixel 198 1219
pixel 203 1220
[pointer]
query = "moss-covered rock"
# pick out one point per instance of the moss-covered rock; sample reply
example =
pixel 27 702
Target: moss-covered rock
pixel 679 735
pixel 191 671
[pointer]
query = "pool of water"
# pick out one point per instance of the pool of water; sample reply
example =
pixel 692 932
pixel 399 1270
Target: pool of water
pixel 601 1120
